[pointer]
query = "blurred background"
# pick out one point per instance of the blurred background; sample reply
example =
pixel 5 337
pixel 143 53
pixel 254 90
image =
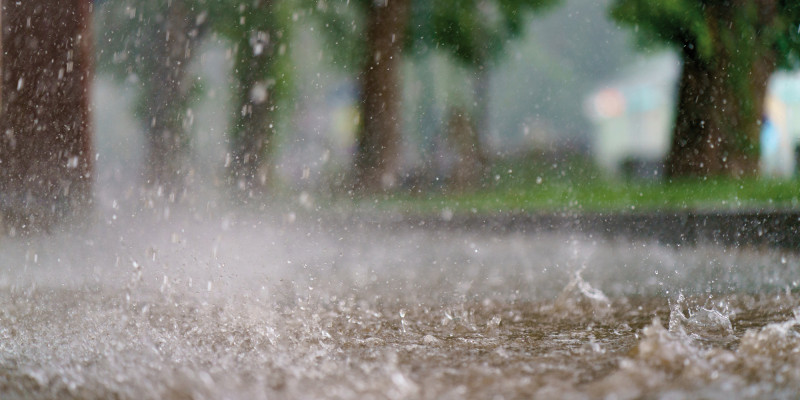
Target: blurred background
pixel 538 100
pixel 494 104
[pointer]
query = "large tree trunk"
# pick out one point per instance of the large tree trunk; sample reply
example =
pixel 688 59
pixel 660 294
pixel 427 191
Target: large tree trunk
pixel 171 43
pixel 717 131
pixel 377 160
pixel 720 103
pixel 254 128
pixel 45 146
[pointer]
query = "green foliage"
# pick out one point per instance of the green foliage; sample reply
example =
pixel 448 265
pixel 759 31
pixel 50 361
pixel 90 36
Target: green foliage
pixel 570 184
pixel 130 29
pixel 698 25
pixel 475 32
pixel 127 27
pixel 735 45
pixel 342 23
pixel 787 35
pixel 678 22
pixel 254 27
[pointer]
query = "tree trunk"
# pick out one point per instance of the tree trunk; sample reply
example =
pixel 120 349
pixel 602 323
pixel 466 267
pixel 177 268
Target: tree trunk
pixel 482 100
pixel 720 104
pixel 427 125
pixel 166 101
pixel 45 147
pixel 254 128
pixel 377 161
pixel 482 117
pixel 470 165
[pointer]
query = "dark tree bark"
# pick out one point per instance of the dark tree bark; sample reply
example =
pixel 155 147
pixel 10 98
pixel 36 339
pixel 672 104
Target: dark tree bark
pixel 721 101
pixel 45 142
pixel 171 45
pixel 377 160
pixel 254 128
pixel 714 133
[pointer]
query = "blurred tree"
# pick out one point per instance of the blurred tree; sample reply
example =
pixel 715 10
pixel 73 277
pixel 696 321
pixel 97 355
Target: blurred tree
pixel 469 167
pixel 475 33
pixel 342 25
pixel 377 160
pixel 729 50
pixel 259 32
pixel 153 43
pixel 45 149
pixel 368 38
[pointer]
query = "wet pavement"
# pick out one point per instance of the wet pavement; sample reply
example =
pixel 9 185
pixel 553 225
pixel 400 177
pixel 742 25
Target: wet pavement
pixel 228 306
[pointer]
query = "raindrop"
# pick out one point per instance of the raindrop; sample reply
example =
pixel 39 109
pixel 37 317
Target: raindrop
pixel 72 162
pixel 258 94
pixel 429 339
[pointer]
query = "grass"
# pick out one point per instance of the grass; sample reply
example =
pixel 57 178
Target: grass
pixel 572 185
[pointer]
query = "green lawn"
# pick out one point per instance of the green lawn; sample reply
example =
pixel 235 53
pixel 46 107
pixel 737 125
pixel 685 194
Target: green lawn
pixel 540 186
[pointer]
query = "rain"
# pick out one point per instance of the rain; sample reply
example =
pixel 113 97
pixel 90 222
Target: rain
pixel 399 199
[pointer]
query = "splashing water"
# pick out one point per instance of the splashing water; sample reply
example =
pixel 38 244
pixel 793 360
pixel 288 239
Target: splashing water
pixel 701 322
pixel 241 308
pixel 580 296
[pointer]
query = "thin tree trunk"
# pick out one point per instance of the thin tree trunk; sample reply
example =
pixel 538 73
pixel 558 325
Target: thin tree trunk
pixel 720 104
pixel 45 146
pixel 377 161
pixel 482 100
pixel 470 165
pixel 167 99
pixel 427 125
pixel 254 128
pixel 482 118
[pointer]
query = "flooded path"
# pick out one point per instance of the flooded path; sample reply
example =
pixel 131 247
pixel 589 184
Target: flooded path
pixel 232 308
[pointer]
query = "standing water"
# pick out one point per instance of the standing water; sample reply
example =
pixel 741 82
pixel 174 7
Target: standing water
pixel 232 307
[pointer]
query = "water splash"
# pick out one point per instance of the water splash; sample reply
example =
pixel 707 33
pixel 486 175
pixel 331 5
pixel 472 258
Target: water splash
pixel 580 296
pixel 362 313
pixel 701 323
